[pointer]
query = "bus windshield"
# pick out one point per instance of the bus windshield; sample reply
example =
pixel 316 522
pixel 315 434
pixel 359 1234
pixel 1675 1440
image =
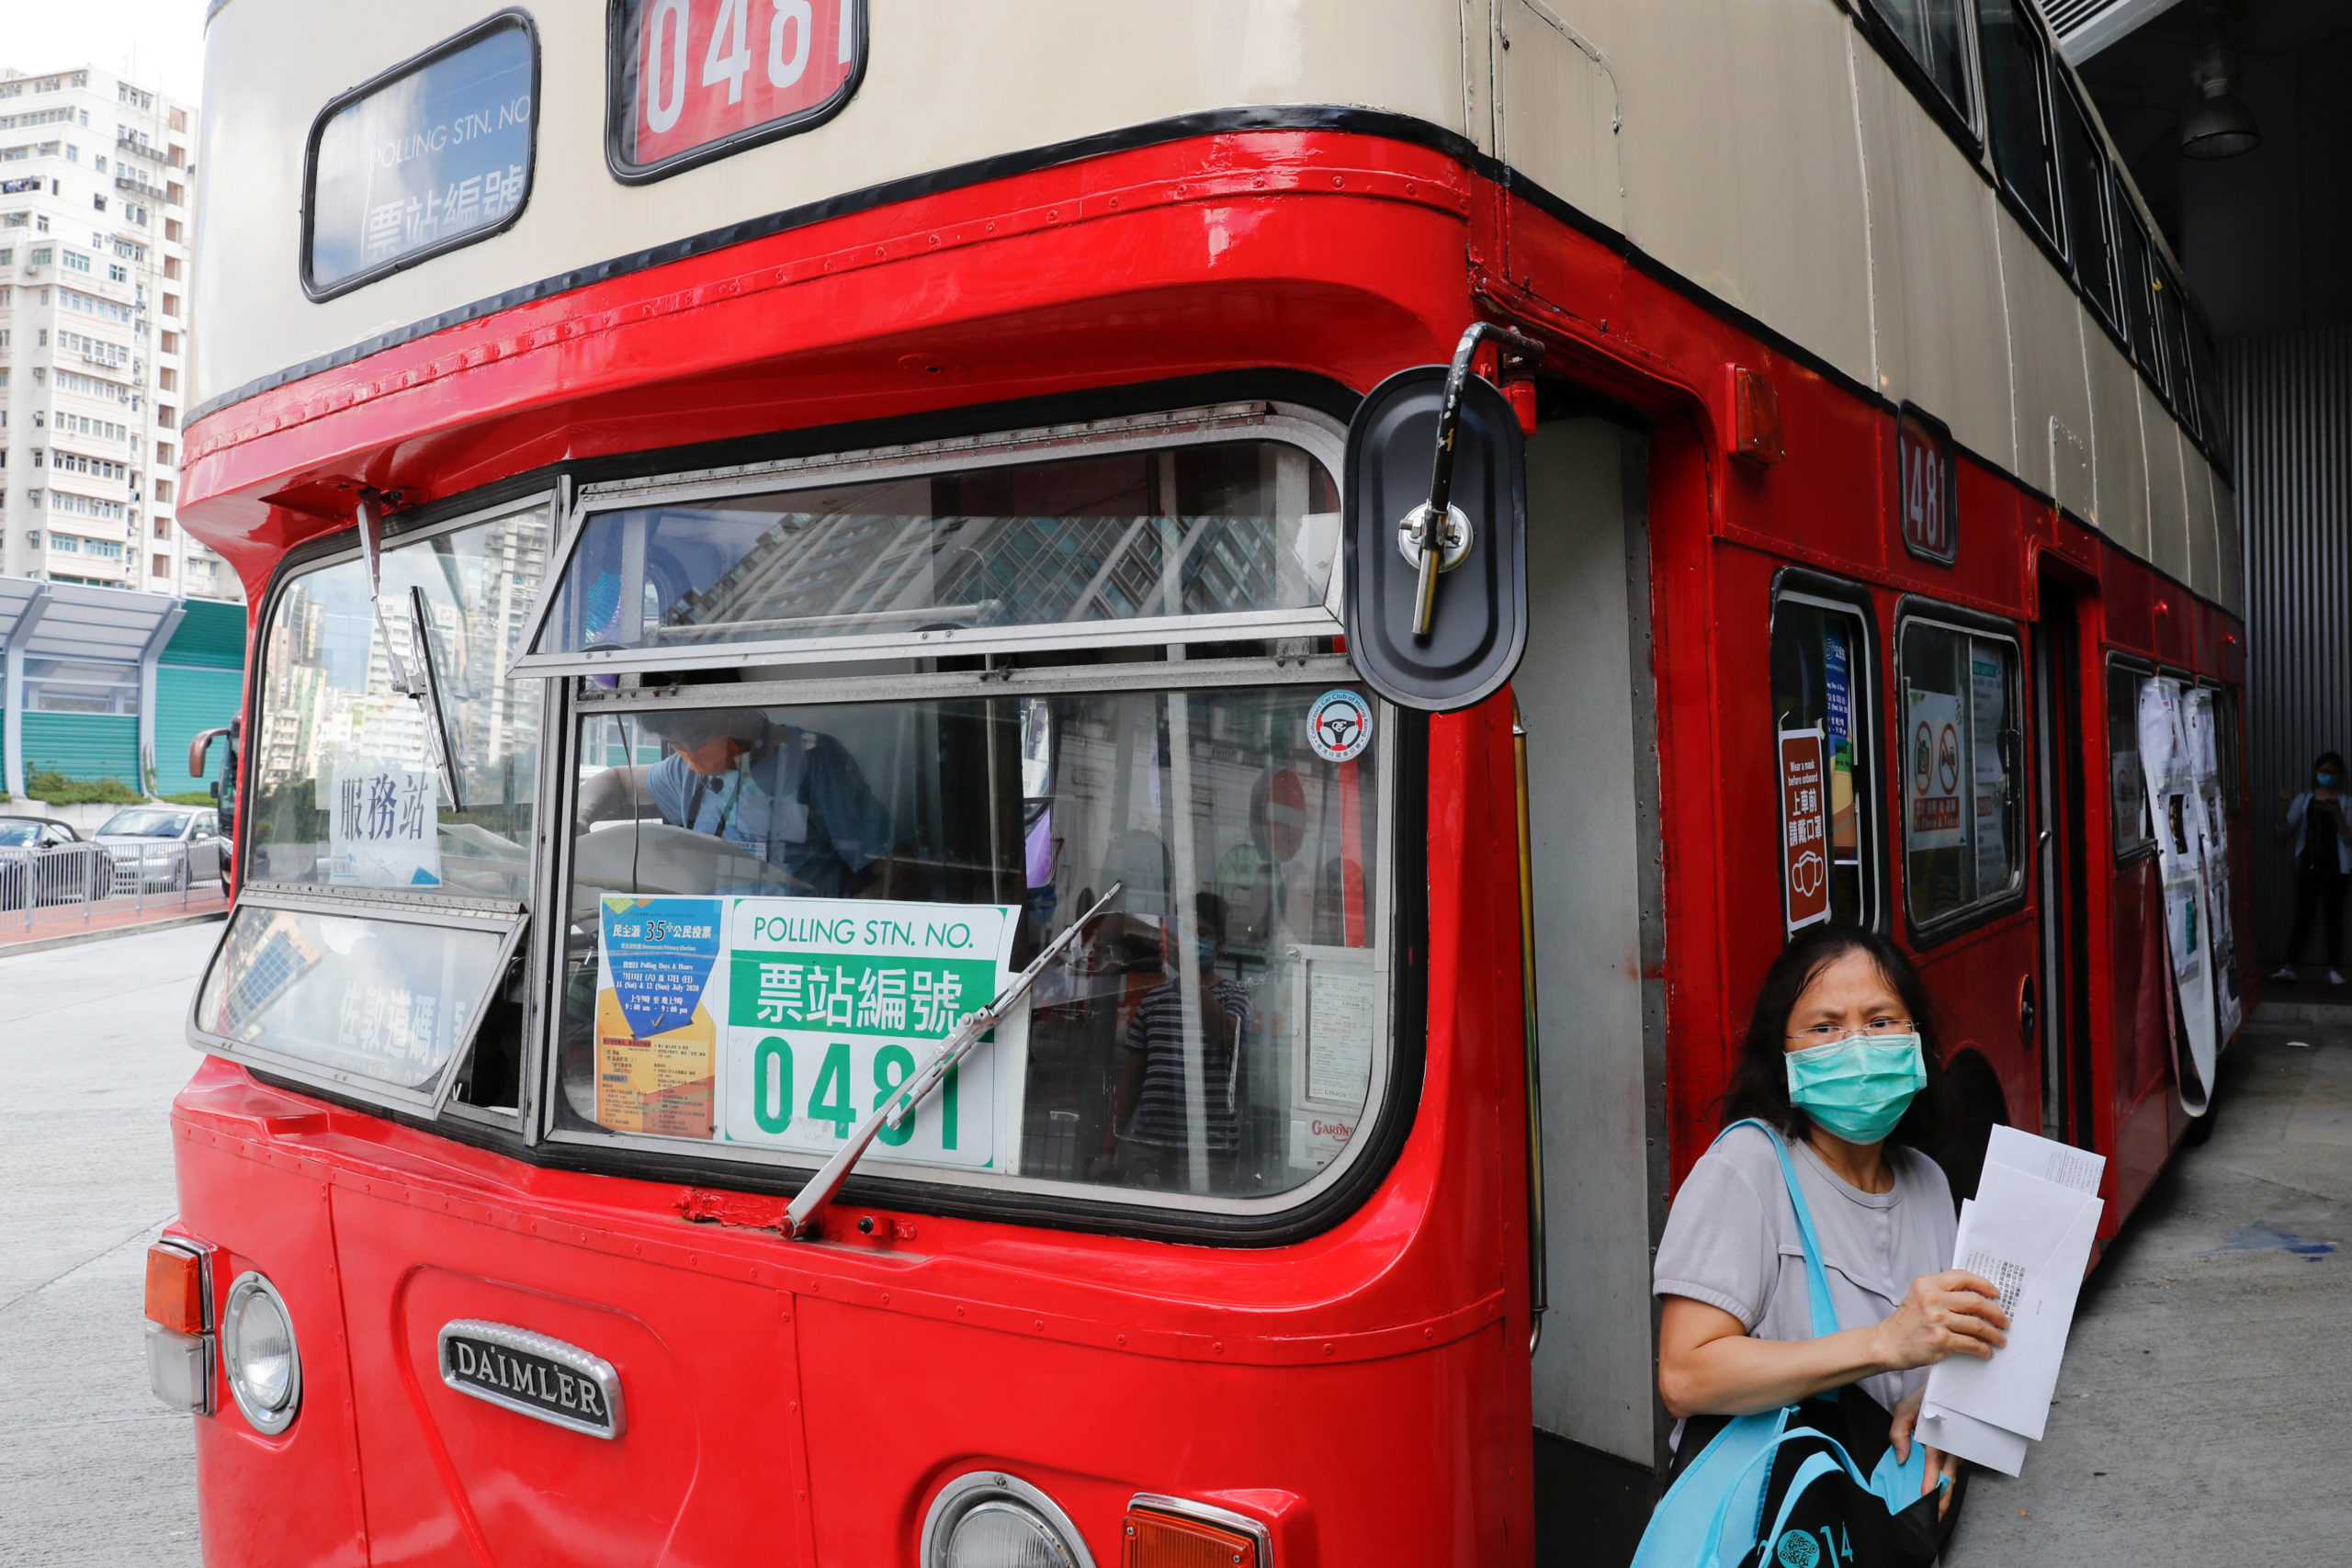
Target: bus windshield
pixel 344 790
pixel 776 913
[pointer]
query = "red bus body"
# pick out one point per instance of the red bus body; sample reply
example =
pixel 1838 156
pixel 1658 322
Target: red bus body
pixel 1364 1392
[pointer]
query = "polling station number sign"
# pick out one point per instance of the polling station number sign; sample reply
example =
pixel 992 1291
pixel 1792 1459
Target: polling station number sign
pixel 786 1023
pixel 431 155
pixel 695 77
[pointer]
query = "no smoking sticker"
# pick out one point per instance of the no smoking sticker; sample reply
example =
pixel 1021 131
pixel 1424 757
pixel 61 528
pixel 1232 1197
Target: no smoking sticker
pixel 1340 726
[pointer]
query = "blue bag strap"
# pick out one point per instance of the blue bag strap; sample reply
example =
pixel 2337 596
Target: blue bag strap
pixel 1824 1310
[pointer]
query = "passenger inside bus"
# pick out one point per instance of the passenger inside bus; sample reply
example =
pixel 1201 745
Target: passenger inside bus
pixel 1840 1062
pixel 1151 1114
pixel 794 798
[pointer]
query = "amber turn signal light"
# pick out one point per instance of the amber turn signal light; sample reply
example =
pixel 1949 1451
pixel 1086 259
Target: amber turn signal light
pixel 176 1288
pixel 1153 1539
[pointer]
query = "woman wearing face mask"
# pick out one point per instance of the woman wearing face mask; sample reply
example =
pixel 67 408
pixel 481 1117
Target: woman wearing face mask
pixel 2313 822
pixel 1839 1059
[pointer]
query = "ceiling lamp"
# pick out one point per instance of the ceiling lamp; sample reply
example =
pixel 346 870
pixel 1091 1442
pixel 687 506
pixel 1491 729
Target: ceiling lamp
pixel 2219 125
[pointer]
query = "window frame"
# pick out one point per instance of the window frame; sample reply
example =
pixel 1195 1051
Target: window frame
pixel 2124 854
pixel 2104 306
pixel 1962 123
pixel 1840 596
pixel 1917 610
pixel 2225 728
pixel 439 907
pixel 511 17
pixel 508 921
pixel 617 111
pixel 1320 436
pixel 1392 1095
pixel 2050 235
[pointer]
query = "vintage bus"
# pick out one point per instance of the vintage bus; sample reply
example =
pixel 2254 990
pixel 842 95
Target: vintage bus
pixel 766 518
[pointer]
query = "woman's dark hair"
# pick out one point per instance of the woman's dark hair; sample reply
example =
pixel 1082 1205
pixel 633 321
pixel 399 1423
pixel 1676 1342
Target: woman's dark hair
pixel 2324 758
pixel 1759 1078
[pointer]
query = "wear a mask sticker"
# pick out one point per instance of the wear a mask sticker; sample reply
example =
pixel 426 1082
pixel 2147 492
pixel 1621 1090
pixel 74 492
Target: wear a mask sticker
pixel 1340 726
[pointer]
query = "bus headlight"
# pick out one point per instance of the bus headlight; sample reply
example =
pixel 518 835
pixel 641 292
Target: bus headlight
pixel 257 1344
pixel 988 1519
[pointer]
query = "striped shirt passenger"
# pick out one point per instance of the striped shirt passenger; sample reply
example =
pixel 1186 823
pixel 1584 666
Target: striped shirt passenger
pixel 1156 1032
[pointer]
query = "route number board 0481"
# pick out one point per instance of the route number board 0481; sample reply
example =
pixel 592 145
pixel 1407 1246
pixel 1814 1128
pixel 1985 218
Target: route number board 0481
pixel 695 78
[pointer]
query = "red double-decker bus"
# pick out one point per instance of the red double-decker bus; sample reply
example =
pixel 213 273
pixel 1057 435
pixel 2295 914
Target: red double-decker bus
pixel 910 889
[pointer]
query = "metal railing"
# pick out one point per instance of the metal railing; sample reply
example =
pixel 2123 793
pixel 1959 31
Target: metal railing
pixel 89 884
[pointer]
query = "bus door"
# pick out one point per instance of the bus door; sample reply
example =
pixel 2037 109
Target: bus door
pixel 2061 869
pixel 1584 701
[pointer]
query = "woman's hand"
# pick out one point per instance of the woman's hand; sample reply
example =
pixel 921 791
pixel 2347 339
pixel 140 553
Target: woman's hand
pixel 1951 1312
pixel 1941 1465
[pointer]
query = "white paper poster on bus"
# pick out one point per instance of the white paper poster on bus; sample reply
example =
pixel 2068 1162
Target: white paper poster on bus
pixel 787 1021
pixel 2181 839
pixel 1938 779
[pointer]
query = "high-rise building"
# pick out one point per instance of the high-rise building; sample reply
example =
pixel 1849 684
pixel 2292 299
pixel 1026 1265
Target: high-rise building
pixel 97 213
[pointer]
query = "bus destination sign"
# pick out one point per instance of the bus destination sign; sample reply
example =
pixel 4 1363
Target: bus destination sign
pixel 434 154
pixel 694 78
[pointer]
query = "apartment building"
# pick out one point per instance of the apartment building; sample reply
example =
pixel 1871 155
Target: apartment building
pixel 97 212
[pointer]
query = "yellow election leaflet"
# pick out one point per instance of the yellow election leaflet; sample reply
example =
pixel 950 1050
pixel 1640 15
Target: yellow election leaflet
pixel 831 1004
pixel 656 1031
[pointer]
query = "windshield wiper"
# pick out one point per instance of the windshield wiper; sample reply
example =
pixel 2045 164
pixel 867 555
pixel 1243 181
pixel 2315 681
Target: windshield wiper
pixel 801 1215
pixel 415 675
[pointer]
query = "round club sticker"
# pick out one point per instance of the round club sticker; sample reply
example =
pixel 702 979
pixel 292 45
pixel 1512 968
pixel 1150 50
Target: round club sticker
pixel 1340 726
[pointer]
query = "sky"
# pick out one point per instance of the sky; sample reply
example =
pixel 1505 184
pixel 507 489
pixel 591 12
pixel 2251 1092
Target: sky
pixel 155 42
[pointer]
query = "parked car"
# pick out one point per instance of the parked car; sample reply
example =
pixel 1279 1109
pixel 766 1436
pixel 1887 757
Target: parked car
pixel 167 846
pixel 43 861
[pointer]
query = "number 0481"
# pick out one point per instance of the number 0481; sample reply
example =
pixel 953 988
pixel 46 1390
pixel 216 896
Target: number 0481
pixel 707 70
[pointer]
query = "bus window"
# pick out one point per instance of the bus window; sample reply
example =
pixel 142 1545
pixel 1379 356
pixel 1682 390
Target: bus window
pixel 2134 830
pixel 1220 1034
pixel 1822 668
pixel 1173 541
pixel 2225 737
pixel 2017 113
pixel 2082 168
pixel 344 790
pixel 1934 33
pixel 2132 275
pixel 1963 809
pixel 378 1005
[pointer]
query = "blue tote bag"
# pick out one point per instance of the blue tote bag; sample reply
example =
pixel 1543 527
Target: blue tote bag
pixel 1778 1489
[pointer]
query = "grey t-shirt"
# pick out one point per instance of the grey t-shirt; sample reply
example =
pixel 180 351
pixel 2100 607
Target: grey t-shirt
pixel 1732 1242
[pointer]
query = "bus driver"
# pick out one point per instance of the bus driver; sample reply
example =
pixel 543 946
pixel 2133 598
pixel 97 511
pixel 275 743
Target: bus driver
pixel 792 797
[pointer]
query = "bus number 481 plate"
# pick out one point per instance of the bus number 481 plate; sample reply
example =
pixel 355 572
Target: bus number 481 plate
pixel 533 1375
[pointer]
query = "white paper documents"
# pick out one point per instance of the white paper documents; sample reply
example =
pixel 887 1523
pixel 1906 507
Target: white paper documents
pixel 2028 1230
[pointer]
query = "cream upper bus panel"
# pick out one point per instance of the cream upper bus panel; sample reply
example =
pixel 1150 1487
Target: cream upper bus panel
pixel 1935 270
pixel 2228 546
pixel 2046 379
pixel 2170 546
pixel 2119 458
pixel 945 85
pixel 2196 496
pixel 1738 156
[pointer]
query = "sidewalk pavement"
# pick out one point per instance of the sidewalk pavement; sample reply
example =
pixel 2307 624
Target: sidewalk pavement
pixel 66 925
pixel 93 1473
pixel 2211 1356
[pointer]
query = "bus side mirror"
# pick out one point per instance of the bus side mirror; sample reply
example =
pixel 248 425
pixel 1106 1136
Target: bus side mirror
pixel 200 748
pixel 1437 594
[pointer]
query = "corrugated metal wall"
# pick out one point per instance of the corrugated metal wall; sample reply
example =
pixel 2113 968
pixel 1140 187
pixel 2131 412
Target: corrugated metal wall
pixel 2290 407
pixel 188 701
pixel 84 746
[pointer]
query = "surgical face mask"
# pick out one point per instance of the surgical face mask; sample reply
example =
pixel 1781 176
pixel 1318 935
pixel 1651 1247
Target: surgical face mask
pixel 1860 1086
pixel 2328 781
